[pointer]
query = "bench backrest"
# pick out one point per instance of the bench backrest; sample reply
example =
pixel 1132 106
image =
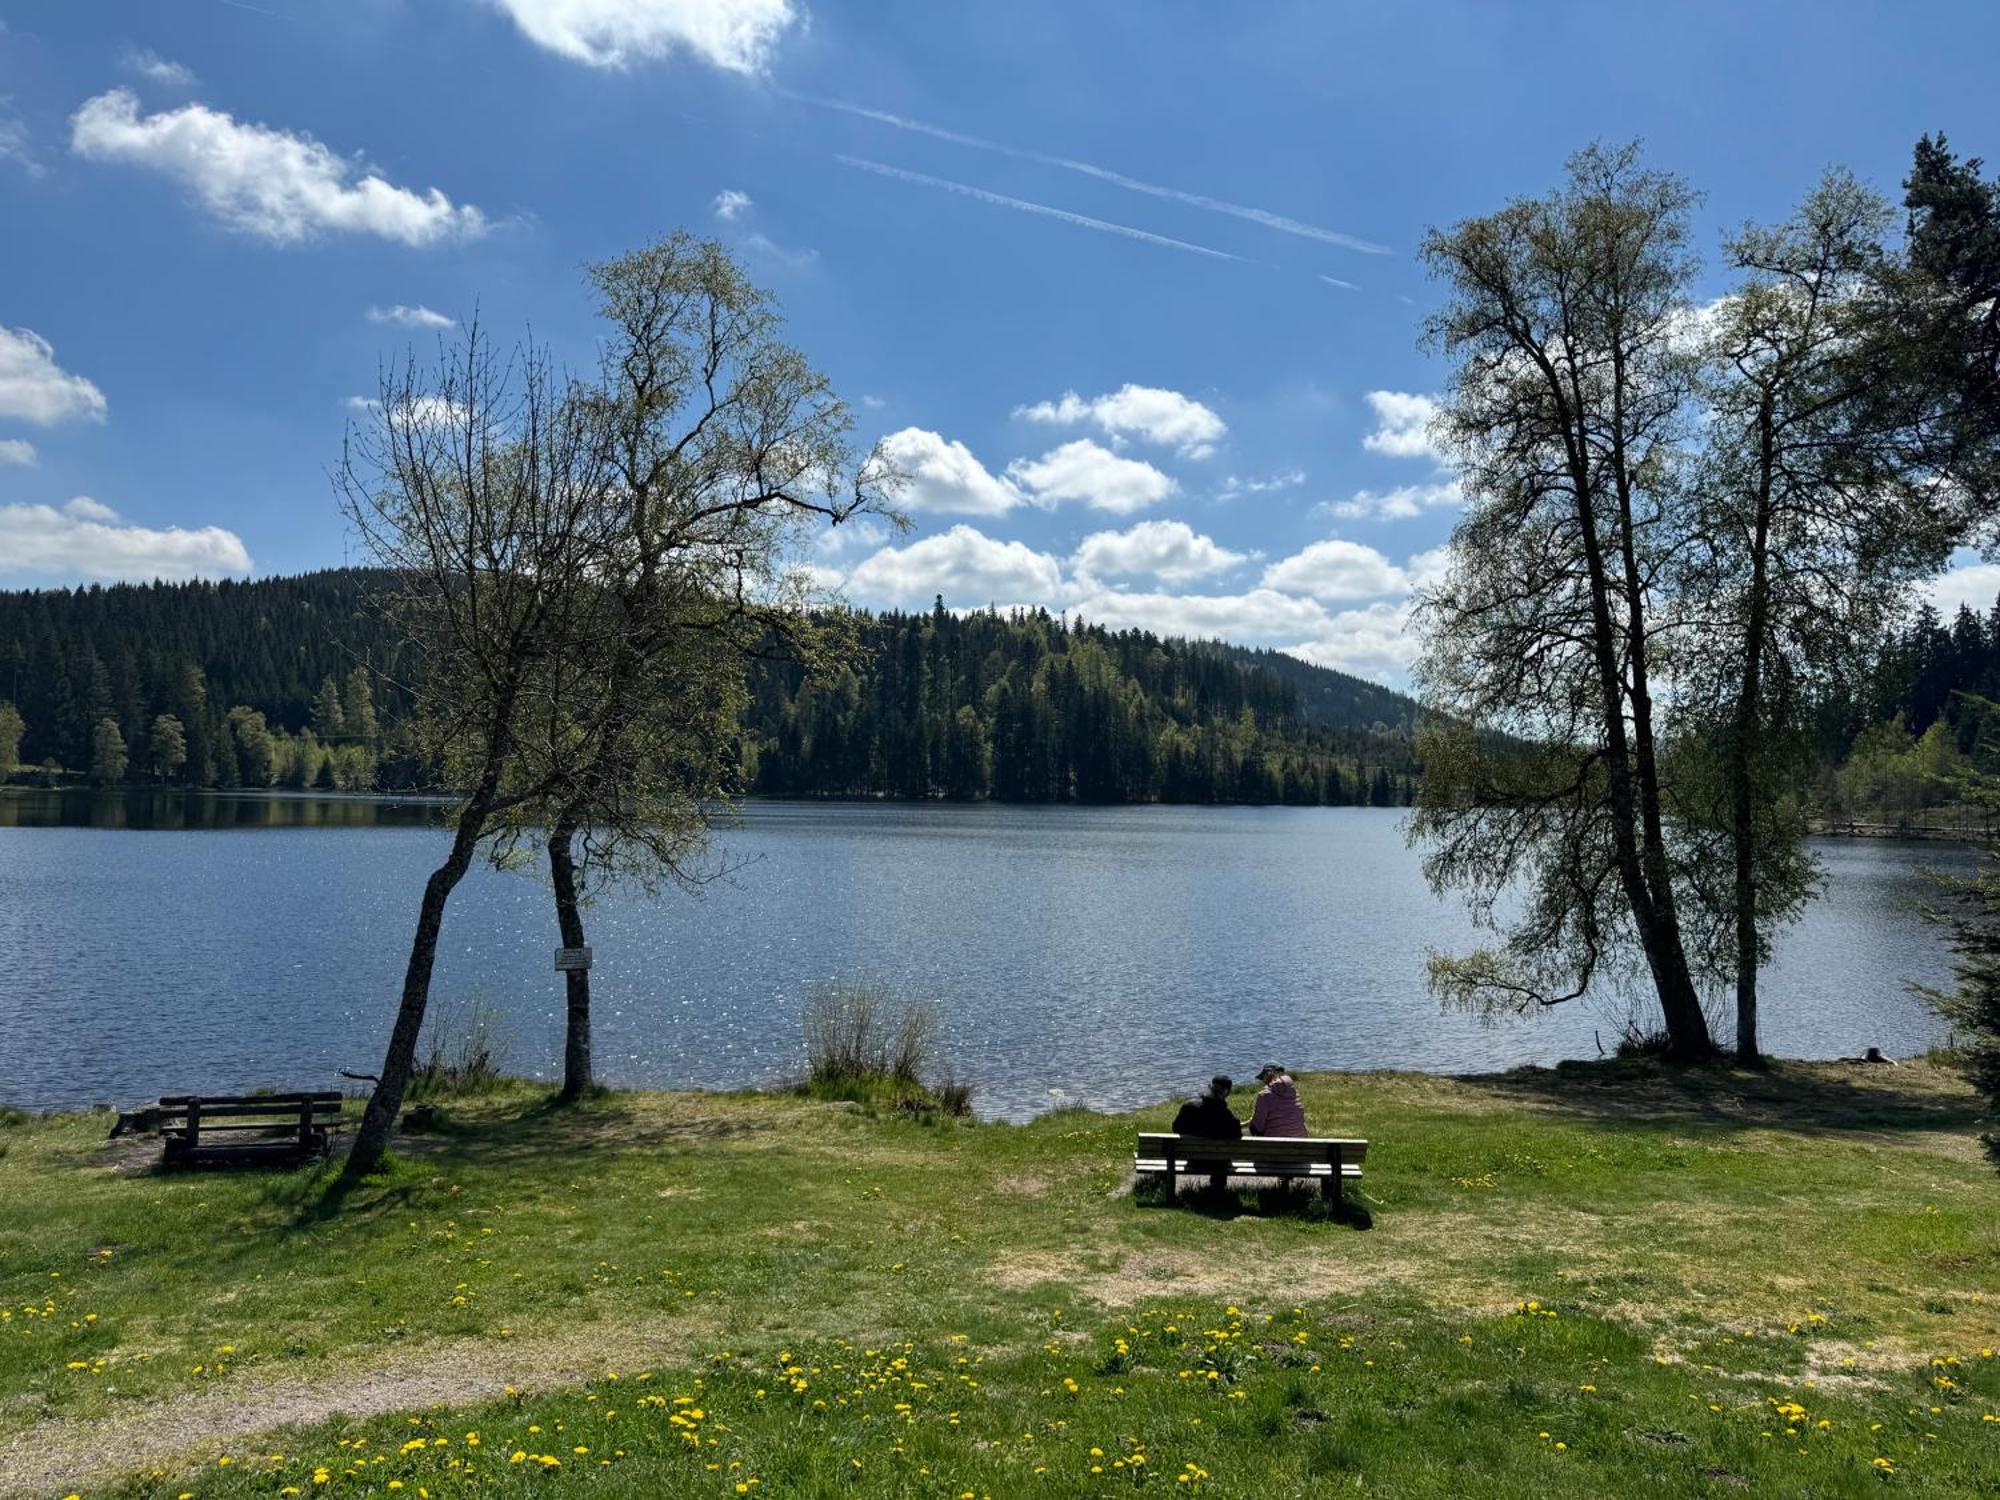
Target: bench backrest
pixel 1277 1150
pixel 323 1105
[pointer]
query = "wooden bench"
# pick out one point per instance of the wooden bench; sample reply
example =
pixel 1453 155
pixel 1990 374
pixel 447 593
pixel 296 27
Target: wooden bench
pixel 1331 1163
pixel 246 1129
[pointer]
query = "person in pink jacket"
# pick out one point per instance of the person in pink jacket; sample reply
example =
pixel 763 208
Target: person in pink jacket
pixel 1278 1110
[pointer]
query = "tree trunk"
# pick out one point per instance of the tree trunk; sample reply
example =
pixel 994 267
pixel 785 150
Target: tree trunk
pixel 378 1121
pixel 569 918
pixel 1658 918
pixel 1659 932
pixel 1742 804
pixel 371 1143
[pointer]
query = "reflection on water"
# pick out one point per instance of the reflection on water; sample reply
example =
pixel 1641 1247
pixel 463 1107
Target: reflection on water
pixel 1107 956
pixel 153 811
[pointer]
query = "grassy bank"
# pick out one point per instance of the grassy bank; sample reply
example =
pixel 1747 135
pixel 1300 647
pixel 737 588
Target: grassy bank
pixel 1600 1281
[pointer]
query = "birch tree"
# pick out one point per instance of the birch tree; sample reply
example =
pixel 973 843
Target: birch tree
pixel 727 451
pixel 479 485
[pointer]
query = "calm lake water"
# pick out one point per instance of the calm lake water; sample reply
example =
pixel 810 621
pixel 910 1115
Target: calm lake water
pixel 1110 956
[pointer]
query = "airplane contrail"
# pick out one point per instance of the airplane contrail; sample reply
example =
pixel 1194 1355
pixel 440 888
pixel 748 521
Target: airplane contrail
pixel 1261 216
pixel 1025 206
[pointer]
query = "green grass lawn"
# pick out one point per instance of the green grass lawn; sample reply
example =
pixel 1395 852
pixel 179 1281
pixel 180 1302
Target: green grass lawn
pixel 1602 1280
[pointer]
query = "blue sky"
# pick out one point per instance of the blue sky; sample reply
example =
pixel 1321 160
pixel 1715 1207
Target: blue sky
pixel 1131 287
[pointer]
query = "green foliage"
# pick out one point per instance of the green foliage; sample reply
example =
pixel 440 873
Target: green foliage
pixel 11 731
pixel 1972 915
pixel 192 652
pixel 1030 708
pixel 108 755
pixel 169 747
pixel 1019 707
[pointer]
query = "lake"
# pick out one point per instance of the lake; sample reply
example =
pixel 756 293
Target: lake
pixel 1104 956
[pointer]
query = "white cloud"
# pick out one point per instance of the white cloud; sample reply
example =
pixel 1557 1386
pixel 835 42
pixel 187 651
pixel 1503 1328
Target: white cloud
pixel 1140 411
pixel 150 65
pixel 428 412
pixel 735 35
pixel 1335 571
pixel 1402 423
pixel 1373 642
pixel 1171 551
pixel 762 244
pixel 971 570
pixel 1975 585
pixel 730 205
pixel 14 145
pixel 1399 504
pixel 857 535
pixel 33 388
pixel 1235 485
pixel 422 412
pixel 1094 475
pixel 1261 615
pixel 410 317
pixel 942 475
pixel 279 186
pixel 1694 325
pixel 967 567
pixel 88 540
pixel 15 451
pixel 1428 569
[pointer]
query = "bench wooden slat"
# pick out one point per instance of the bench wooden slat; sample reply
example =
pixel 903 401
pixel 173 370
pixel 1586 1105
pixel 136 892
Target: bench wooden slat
pixel 1263 1147
pixel 1332 1161
pixel 226 1101
pixel 287 1112
pixel 1249 1169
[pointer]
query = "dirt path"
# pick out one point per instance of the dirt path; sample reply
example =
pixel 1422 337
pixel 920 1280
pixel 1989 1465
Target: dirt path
pixel 54 1457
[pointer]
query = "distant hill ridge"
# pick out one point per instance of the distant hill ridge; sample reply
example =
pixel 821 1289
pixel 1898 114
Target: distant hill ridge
pixel 1023 706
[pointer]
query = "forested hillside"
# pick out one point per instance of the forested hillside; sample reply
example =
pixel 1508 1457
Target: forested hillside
pixel 295 682
pixel 1899 742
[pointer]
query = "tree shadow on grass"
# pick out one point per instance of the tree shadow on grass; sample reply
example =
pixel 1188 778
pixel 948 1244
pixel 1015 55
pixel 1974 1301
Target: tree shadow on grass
pixel 1816 1098
pixel 1275 1201
pixel 530 1136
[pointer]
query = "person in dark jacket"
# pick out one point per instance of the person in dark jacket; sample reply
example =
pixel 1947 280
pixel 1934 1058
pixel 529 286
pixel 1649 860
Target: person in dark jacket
pixel 1209 1115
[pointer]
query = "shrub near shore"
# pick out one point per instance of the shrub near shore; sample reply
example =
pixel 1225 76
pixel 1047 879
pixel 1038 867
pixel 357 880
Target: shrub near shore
pixel 1579 1283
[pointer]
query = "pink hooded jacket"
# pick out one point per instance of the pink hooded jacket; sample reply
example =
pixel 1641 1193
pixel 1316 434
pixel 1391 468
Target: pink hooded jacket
pixel 1278 1110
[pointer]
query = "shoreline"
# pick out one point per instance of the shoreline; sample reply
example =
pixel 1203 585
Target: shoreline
pixel 1583 1072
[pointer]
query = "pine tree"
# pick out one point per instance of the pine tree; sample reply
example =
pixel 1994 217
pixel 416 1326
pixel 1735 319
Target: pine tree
pixel 328 717
pixel 358 709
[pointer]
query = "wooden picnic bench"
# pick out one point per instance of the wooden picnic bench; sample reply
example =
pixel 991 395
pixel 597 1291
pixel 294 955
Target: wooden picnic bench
pixel 1331 1163
pixel 246 1129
